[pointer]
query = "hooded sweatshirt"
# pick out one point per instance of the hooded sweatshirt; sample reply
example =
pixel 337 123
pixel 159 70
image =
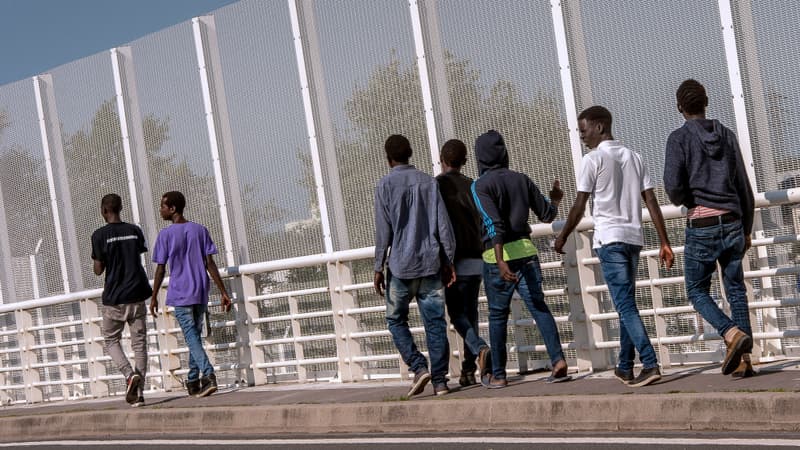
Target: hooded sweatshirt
pixel 504 197
pixel 703 166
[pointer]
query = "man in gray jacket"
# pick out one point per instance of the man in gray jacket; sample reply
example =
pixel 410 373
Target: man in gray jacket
pixel 411 218
pixel 704 171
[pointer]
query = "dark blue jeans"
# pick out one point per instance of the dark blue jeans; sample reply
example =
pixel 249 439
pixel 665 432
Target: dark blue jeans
pixel 429 292
pixel 529 287
pixel 705 247
pixel 618 262
pixel 462 307
pixel 191 318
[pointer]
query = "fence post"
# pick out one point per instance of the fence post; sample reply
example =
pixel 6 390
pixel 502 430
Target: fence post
pixel 341 275
pixel 26 339
pixel 657 294
pixel 250 355
pixel 166 343
pixel 92 335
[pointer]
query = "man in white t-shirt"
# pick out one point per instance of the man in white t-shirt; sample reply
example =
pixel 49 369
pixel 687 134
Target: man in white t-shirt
pixel 617 180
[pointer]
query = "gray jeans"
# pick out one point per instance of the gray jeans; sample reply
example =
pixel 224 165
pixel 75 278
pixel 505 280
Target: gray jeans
pixel 114 319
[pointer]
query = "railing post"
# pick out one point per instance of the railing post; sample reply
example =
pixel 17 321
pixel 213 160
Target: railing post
pixel 299 354
pixel 248 333
pixel 93 343
pixel 456 349
pixel 340 275
pixel 519 333
pixel 166 343
pixel 26 339
pixel 657 295
pixel 60 357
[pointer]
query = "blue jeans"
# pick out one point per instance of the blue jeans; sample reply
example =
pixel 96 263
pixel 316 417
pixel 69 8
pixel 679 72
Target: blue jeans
pixel 529 287
pixel 618 262
pixel 462 307
pixel 429 292
pixel 705 247
pixel 191 318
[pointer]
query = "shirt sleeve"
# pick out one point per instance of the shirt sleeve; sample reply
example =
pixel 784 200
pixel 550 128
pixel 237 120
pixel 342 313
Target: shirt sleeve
pixel 446 236
pixel 587 177
pixel 744 190
pixel 676 178
pixel 160 254
pixel 383 230
pixel 98 250
pixel 208 244
pixel 142 244
pixel 647 181
pixel 543 209
pixel 493 225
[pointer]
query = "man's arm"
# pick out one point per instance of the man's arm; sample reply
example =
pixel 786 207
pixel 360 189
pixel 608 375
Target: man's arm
pixel 745 193
pixel 676 180
pixel 98 267
pixel 494 225
pixel 213 271
pixel 447 240
pixel 545 211
pixel 665 253
pixel 383 238
pixel 158 280
pixel 573 219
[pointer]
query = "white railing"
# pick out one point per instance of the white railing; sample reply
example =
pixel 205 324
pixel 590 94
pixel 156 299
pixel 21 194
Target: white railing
pixel 317 318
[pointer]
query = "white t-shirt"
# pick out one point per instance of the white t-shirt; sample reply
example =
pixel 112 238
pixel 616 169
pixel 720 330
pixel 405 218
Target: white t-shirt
pixel 616 178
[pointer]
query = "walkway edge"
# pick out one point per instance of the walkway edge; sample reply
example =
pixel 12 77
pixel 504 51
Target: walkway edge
pixel 763 411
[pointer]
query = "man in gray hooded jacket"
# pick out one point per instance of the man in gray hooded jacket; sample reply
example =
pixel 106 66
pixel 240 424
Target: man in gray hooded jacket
pixel 704 171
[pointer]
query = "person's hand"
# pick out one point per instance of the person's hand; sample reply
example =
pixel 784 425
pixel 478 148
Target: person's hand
pixel 226 302
pixel 556 194
pixel 448 275
pixel 380 285
pixel 748 242
pixel 154 305
pixel 666 256
pixel 558 244
pixel 505 273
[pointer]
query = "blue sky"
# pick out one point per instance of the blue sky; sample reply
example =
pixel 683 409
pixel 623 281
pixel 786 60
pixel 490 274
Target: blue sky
pixel 37 35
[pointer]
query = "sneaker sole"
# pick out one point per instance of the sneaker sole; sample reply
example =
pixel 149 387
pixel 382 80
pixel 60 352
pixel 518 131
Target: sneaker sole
pixel 622 380
pixel 551 379
pixel 419 386
pixel 732 363
pixel 132 393
pixel 207 392
pixel 440 393
pixel 137 405
pixel 646 381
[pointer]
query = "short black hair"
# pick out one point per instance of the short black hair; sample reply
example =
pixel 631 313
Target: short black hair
pixel 454 153
pixel 597 114
pixel 398 148
pixel 111 202
pixel 175 199
pixel 691 96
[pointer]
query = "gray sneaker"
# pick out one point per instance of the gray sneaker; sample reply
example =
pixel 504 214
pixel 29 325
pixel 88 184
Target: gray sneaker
pixel 208 385
pixel 421 378
pixel 440 389
pixel 646 376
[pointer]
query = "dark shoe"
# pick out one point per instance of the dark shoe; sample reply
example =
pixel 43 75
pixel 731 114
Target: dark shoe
pixel 440 389
pixel 421 378
pixel 497 383
pixel 193 387
pixel 467 379
pixel 559 374
pixel 646 376
pixel 485 361
pixel 745 369
pixel 486 380
pixel 139 402
pixel 208 385
pixel 132 389
pixel 738 345
pixel 625 376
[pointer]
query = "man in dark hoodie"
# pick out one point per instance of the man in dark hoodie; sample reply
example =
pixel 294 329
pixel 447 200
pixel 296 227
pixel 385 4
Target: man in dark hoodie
pixel 504 198
pixel 411 219
pixel 704 171
pixel 462 296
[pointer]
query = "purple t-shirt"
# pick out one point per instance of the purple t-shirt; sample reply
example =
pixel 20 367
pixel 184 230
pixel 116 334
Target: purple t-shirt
pixel 184 247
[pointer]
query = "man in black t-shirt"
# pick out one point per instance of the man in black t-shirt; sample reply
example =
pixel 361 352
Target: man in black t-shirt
pixel 117 249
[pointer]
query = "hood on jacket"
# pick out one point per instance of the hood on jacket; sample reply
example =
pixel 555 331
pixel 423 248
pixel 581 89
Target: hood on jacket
pixel 710 132
pixel 490 151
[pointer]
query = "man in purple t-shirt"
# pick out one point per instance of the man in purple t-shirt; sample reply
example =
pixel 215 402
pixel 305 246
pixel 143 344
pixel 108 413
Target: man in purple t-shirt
pixel 188 249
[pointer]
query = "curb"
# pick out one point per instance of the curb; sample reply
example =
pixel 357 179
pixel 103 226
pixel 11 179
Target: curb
pixel 663 412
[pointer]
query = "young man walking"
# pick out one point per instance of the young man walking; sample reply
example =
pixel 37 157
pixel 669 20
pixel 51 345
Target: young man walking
pixel 188 249
pixel 116 250
pixel 504 199
pixel 411 219
pixel 462 296
pixel 704 171
pixel 617 180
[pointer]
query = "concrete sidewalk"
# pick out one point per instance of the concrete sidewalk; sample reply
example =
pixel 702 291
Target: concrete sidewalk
pixel 696 398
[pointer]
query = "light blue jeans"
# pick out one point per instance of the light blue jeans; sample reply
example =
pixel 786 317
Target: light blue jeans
pixel 191 318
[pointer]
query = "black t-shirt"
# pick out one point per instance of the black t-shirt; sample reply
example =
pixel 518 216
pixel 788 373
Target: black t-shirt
pixel 119 246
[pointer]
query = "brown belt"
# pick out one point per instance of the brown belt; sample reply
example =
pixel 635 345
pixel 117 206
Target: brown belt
pixel 711 221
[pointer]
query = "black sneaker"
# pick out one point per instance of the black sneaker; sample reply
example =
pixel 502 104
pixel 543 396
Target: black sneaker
pixel 132 389
pixel 208 385
pixel 421 378
pixel 440 389
pixel 646 376
pixel 139 402
pixel 467 379
pixel 193 387
pixel 625 376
